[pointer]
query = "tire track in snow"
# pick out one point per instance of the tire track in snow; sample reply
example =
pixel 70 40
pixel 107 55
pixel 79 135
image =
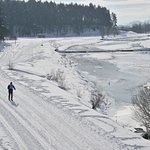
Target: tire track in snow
pixel 5 57
pixel 31 138
pixel 33 99
pixel 27 107
pixel 42 125
pixel 15 53
pixel 85 140
pixel 59 135
pixel 9 128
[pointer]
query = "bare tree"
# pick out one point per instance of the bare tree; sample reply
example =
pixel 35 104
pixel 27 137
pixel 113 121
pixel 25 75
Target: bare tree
pixel 58 76
pixel 96 98
pixel 141 103
pixel 10 65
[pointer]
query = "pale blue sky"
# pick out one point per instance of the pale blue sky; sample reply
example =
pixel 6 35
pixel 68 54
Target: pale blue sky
pixel 126 10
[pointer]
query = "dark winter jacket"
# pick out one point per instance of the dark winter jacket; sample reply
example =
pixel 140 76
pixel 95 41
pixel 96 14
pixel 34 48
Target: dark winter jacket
pixel 11 87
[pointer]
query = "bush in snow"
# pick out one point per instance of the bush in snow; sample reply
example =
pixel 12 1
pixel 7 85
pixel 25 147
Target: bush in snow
pixel 96 99
pixel 10 65
pixel 58 76
pixel 141 103
pixel 48 76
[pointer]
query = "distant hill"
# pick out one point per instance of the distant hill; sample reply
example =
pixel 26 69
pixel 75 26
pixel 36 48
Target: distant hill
pixel 134 22
pixel 137 22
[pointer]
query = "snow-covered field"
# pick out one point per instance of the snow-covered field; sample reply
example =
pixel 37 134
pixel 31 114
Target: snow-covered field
pixel 46 116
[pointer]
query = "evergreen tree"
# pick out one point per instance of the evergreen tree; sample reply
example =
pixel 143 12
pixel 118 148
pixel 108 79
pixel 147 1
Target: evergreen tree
pixel 114 29
pixel 1 26
pixel 28 18
pixel 114 19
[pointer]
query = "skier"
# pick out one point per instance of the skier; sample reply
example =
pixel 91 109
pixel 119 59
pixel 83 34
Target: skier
pixel 10 88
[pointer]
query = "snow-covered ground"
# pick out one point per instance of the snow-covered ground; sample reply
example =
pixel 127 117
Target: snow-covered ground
pixel 46 116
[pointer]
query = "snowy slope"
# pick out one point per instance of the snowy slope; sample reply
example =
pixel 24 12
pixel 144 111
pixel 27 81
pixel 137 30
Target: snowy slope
pixel 45 116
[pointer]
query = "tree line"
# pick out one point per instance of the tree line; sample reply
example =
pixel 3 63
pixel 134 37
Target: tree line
pixel 3 30
pixel 141 28
pixel 32 17
pixel 138 28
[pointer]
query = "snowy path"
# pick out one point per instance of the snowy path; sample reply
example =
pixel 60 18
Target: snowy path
pixel 33 123
pixel 44 116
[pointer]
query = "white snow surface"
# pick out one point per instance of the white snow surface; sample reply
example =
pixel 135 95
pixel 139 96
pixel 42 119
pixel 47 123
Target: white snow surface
pixel 46 116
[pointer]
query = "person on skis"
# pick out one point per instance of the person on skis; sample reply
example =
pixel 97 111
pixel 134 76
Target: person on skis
pixel 10 88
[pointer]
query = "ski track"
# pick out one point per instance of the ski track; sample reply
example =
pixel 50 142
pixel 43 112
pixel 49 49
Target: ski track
pixel 44 125
pixel 25 131
pixel 8 128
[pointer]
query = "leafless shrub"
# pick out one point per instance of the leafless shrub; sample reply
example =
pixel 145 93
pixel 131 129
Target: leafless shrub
pixel 137 45
pixel 96 98
pixel 10 65
pixel 141 103
pixel 48 76
pixel 58 76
